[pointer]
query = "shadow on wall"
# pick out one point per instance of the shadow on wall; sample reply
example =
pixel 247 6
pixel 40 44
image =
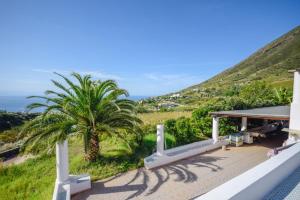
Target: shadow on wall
pixel 140 182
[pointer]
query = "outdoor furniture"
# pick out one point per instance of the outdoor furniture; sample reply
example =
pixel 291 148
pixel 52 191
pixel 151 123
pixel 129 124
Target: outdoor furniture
pixel 237 139
pixel 262 131
pixel 247 138
pixel 224 148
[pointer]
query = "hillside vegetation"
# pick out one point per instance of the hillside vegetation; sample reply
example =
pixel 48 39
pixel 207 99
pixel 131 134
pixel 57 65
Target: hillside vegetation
pixel 160 117
pixel 269 64
pixel 249 84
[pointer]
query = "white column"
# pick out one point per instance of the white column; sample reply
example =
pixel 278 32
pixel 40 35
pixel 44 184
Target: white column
pixel 244 124
pixel 265 122
pixel 62 161
pixel 215 131
pixel 160 140
pixel 295 105
pixel 296 90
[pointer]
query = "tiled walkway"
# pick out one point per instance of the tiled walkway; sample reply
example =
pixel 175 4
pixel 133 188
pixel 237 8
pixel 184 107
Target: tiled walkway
pixel 289 189
pixel 185 179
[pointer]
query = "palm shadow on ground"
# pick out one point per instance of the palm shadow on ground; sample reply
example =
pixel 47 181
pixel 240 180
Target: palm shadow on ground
pixel 139 183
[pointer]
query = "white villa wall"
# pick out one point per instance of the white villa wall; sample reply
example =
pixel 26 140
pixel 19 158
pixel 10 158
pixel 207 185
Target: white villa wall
pixel 65 184
pixel 68 191
pixel 295 106
pixel 61 191
pixel 244 124
pixel 257 182
pixel 215 129
pixel 62 161
pixel 182 152
pixel 163 157
pixel 160 141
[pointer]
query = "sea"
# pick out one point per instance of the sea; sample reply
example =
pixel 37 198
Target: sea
pixel 19 103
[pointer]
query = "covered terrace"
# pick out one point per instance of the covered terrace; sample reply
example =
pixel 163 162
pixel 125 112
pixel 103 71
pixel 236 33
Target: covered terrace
pixel 280 113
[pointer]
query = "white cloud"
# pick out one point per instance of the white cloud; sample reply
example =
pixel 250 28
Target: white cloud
pixel 172 80
pixel 152 77
pixel 171 77
pixel 51 71
pixel 153 83
pixel 101 75
pixel 95 74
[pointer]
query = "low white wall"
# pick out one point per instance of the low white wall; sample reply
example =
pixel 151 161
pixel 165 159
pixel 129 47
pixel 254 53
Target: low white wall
pixel 61 191
pixel 79 183
pixel 182 152
pixel 192 145
pixel 62 161
pixel 74 184
pixel 259 181
pixel 67 188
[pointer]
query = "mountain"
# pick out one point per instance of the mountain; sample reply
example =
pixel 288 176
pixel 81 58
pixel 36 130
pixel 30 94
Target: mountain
pixel 270 63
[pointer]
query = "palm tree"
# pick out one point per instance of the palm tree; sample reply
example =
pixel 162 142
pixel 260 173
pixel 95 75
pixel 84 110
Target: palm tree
pixel 87 108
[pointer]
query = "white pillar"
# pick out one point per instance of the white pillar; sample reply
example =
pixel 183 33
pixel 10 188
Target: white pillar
pixel 215 131
pixel 62 161
pixel 295 105
pixel 160 140
pixel 244 124
pixel 296 90
pixel 265 122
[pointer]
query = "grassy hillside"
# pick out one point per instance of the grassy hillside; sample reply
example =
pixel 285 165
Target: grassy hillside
pixel 159 117
pixel 271 63
pixel 34 179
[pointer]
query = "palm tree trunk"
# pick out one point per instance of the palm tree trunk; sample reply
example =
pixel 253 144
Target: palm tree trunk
pixel 93 150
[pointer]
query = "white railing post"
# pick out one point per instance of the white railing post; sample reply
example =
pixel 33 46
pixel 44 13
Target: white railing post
pixel 215 131
pixel 295 105
pixel 244 124
pixel 296 89
pixel 160 140
pixel 62 161
pixel 266 122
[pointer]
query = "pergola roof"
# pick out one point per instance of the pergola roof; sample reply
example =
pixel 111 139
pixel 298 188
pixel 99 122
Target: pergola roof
pixel 274 112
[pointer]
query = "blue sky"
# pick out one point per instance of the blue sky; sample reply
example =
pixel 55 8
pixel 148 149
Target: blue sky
pixel 150 47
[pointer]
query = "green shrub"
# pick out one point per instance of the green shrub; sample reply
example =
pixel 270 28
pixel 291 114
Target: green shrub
pixel 170 126
pixel 9 136
pixel 233 91
pixel 257 94
pixel 184 132
pixel 9 120
pixel 149 142
pixel 203 126
pixel 283 96
pixel 228 126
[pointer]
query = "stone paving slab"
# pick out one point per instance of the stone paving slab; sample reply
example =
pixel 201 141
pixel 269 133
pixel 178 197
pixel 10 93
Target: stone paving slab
pixel 184 179
pixel 288 189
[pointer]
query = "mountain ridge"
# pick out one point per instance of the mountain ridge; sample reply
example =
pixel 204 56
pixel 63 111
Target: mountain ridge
pixel 280 55
pixel 269 63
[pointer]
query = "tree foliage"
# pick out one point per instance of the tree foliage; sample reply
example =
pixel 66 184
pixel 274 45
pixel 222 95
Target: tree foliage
pixel 87 108
pixel 199 126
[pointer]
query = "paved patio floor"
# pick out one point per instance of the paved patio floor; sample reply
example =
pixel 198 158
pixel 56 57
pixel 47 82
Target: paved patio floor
pixel 184 179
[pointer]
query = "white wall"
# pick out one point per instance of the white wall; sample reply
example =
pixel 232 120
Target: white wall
pixel 160 140
pixel 215 129
pixel 295 106
pixel 62 161
pixel 259 181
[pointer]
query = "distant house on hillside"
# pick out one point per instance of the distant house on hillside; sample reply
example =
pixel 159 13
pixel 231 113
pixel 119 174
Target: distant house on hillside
pixel 167 105
pixel 175 96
